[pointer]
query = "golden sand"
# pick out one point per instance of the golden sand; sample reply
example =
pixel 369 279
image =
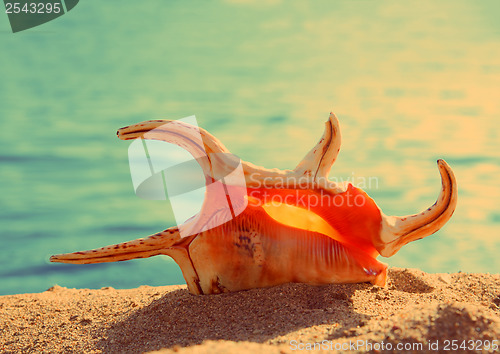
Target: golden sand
pixel 413 308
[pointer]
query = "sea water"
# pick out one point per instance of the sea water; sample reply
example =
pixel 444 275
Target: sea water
pixel 410 83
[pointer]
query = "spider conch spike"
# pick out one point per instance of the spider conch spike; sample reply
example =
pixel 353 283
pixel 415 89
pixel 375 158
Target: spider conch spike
pixel 397 231
pixel 320 159
pixel 210 153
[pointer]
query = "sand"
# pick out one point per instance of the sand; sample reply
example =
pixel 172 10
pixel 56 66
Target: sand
pixel 415 309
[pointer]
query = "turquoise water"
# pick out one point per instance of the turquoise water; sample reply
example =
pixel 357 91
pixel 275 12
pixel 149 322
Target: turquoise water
pixel 409 83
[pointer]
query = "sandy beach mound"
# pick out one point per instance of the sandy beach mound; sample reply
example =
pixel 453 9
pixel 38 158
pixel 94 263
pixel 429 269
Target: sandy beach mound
pixel 414 309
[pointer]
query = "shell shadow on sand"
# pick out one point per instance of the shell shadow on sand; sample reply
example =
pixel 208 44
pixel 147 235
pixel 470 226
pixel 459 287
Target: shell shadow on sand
pixel 411 308
pixel 181 319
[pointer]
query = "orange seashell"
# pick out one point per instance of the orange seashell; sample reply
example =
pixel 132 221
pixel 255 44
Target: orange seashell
pixel 297 225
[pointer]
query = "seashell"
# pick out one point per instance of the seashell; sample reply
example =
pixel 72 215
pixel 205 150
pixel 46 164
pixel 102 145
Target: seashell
pixel 333 240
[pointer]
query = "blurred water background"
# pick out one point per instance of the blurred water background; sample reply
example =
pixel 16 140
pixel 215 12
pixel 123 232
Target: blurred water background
pixel 410 82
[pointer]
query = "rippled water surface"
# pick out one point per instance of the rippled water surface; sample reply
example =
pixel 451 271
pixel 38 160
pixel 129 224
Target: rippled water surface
pixel 410 84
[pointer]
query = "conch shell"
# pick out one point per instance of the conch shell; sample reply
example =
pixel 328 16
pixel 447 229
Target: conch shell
pixel 336 239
